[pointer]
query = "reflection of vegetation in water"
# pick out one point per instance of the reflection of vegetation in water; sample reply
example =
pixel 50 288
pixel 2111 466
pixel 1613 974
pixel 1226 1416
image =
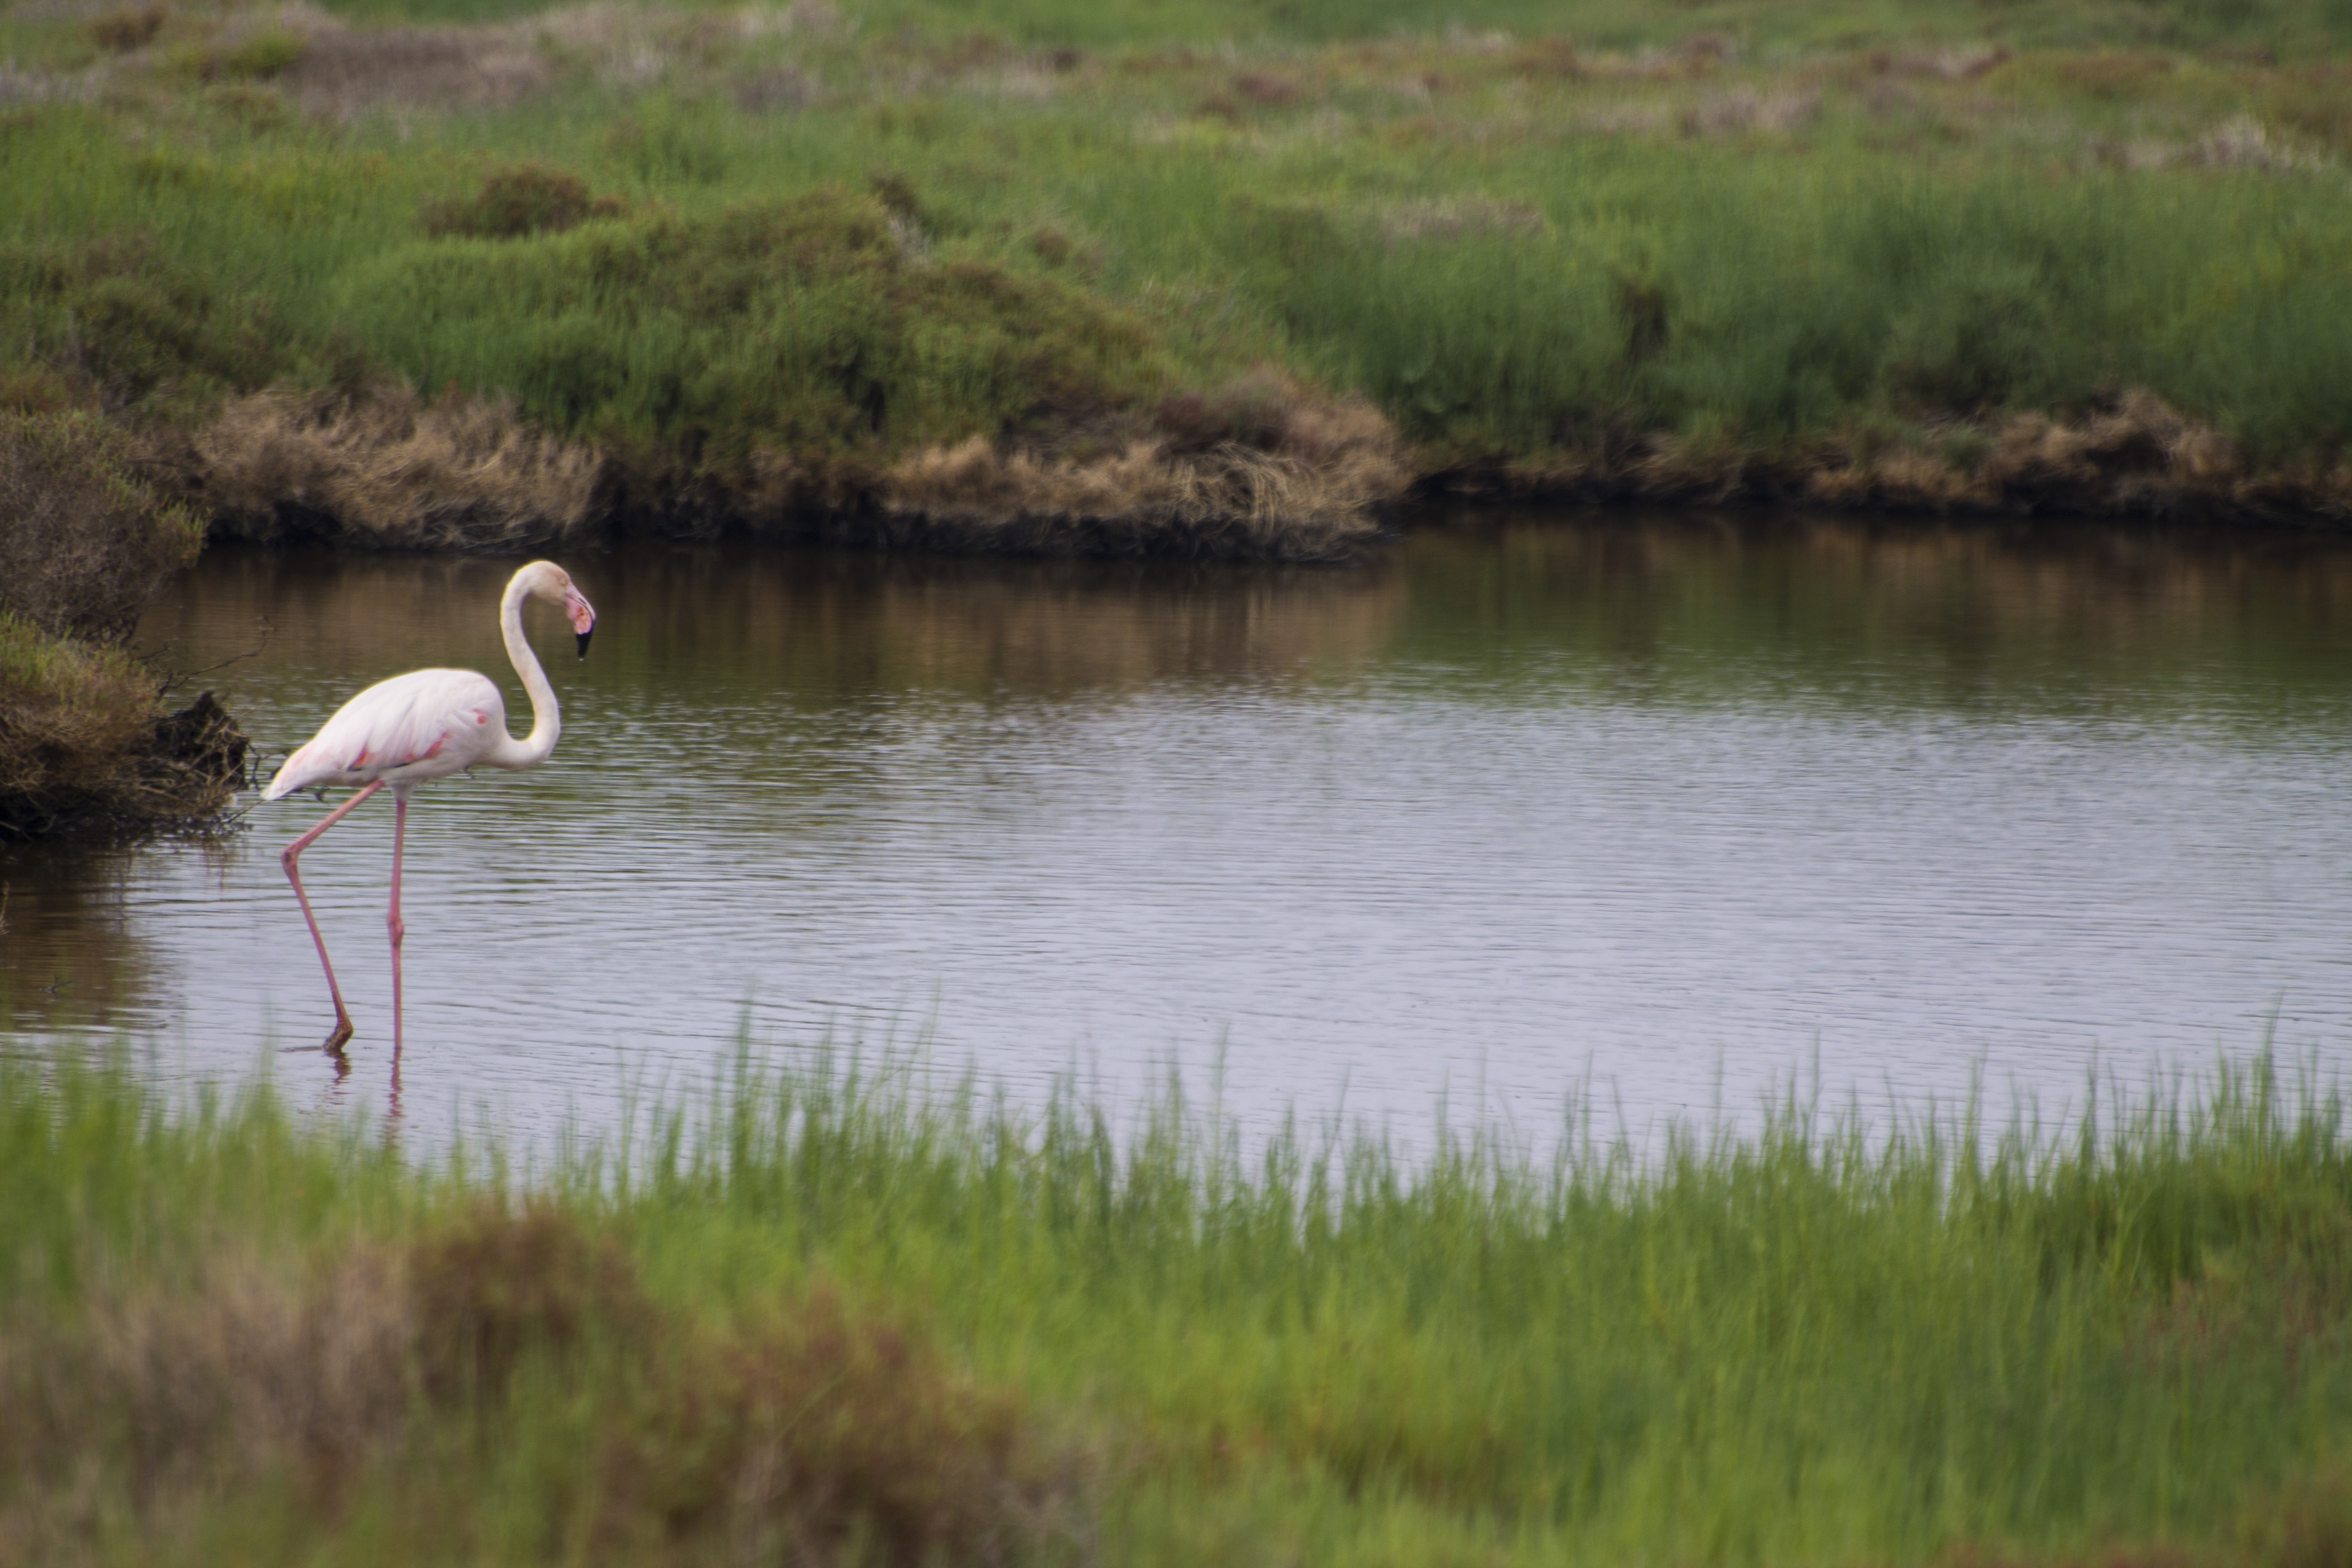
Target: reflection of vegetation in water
pixel 815 627
pixel 70 959
pixel 1969 616
pixel 840 1307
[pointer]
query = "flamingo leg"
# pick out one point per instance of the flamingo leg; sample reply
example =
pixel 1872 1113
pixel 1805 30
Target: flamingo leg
pixel 391 916
pixel 286 857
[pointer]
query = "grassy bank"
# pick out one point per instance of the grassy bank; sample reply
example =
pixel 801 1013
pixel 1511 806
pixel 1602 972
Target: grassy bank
pixel 826 1315
pixel 1212 278
pixel 85 740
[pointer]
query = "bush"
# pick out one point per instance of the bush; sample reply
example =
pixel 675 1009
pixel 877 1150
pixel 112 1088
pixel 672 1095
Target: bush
pixel 83 542
pixel 529 198
pixel 803 326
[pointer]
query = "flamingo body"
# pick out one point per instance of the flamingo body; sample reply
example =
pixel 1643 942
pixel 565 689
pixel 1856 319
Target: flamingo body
pixel 426 724
pixel 418 727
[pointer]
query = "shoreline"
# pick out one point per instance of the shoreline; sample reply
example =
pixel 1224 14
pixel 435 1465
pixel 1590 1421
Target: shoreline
pixel 477 479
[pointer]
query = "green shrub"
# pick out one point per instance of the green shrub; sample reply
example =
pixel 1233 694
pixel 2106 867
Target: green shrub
pixel 83 540
pixel 814 326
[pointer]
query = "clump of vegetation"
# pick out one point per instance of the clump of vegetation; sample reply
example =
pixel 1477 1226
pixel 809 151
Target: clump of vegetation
pixel 119 321
pixel 809 327
pixel 516 1353
pixel 842 1318
pixel 779 361
pixel 376 467
pixel 83 542
pixel 529 198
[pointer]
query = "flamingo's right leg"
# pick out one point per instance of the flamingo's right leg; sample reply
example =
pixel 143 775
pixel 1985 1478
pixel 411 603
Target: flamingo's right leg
pixel 286 857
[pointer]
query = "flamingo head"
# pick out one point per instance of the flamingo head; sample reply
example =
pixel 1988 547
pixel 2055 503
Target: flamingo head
pixel 546 580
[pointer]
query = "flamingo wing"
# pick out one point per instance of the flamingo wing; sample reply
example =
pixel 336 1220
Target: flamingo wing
pixel 444 716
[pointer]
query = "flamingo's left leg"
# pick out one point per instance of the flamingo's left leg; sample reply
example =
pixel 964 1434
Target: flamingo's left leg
pixel 391 916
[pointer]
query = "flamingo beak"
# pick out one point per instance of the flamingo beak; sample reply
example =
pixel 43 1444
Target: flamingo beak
pixel 583 617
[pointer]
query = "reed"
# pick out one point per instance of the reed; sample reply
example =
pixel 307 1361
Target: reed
pixel 1033 1333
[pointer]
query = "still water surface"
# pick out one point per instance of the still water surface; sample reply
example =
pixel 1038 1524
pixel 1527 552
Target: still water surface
pixel 1668 809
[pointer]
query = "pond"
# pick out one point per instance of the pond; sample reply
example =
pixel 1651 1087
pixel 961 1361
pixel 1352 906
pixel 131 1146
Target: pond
pixel 1654 812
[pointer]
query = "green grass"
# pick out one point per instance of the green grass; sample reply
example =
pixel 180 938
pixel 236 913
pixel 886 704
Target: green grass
pixel 1830 240
pixel 1802 1344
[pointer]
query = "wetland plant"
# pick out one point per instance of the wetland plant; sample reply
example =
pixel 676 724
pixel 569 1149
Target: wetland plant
pixel 839 1314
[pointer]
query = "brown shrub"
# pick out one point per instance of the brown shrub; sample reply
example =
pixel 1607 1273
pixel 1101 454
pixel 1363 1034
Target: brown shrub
pixel 1262 468
pixel 1256 87
pixel 2135 458
pixel 529 198
pixel 826 1437
pixel 83 540
pixel 494 1285
pixel 381 468
pixel 820 1435
pixel 1555 57
pixel 119 32
pixel 251 1374
pixel 2112 74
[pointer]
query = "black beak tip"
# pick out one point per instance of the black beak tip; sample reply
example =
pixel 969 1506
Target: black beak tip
pixel 583 641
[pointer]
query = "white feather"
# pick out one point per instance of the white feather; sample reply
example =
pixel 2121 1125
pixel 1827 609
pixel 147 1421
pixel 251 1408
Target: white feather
pixel 426 724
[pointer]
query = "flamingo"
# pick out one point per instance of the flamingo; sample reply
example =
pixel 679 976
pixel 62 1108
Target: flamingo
pixel 421 726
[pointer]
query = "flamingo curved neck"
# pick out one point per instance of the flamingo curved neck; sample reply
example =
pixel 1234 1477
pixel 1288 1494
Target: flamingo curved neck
pixel 546 722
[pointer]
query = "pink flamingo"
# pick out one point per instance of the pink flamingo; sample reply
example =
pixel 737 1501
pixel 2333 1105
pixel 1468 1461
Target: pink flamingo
pixel 421 726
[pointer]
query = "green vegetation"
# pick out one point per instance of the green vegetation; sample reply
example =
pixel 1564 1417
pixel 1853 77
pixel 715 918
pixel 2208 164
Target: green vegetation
pixel 1209 276
pixel 834 1314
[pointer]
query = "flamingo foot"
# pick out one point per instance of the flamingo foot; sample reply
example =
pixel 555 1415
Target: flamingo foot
pixel 341 1032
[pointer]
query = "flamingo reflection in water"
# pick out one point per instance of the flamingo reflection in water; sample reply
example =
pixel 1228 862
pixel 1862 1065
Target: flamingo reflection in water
pixel 418 727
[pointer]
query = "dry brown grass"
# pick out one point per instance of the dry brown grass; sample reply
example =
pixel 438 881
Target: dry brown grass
pixel 818 1435
pixel 382 468
pixel 1259 470
pixel 2139 458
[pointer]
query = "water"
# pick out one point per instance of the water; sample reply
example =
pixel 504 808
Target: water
pixel 1660 810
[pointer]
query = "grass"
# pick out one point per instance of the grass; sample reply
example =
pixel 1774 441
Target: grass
pixel 836 1312
pixel 1173 265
